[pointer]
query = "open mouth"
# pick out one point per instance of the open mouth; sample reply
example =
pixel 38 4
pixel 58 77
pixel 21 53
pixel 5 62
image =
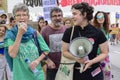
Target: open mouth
pixel 21 21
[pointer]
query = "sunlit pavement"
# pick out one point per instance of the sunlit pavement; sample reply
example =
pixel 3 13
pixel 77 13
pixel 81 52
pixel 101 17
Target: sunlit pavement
pixel 114 54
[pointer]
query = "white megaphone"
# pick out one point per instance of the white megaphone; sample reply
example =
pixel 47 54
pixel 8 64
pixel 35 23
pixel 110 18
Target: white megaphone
pixel 80 47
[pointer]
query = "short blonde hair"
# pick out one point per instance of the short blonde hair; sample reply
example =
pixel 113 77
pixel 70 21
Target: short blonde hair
pixel 68 19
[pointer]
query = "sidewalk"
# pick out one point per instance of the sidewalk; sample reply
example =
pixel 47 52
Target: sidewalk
pixel 114 53
pixel 116 72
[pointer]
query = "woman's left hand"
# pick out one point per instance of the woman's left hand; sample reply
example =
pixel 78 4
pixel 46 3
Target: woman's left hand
pixel 33 64
pixel 88 64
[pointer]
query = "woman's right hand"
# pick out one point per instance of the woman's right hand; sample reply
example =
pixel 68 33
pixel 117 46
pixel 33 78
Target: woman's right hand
pixel 50 64
pixel 22 28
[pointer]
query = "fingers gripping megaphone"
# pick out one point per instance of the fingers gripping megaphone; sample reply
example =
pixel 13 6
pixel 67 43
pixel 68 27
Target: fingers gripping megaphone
pixel 80 47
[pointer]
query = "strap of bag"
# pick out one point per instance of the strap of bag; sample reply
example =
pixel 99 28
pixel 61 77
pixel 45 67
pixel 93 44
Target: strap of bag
pixel 69 61
pixel 37 43
pixel 71 34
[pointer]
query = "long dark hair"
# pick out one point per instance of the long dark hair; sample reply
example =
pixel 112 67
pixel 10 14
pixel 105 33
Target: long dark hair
pixel 39 28
pixel 106 22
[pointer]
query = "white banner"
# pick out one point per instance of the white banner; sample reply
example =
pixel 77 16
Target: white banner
pixel 47 6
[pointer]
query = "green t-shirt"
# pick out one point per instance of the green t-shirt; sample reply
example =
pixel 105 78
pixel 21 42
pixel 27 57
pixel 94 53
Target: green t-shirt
pixel 21 70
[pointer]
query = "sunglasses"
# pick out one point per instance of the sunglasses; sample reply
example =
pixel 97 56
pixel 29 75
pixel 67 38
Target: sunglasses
pixel 100 16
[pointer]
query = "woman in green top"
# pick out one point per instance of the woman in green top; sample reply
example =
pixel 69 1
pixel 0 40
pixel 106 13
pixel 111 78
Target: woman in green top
pixel 21 46
pixel 101 20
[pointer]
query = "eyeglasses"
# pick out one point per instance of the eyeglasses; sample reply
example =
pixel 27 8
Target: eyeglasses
pixel 42 22
pixel 21 15
pixel 55 16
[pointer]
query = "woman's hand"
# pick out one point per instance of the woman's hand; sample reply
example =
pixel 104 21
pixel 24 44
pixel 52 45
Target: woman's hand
pixel 50 64
pixel 22 28
pixel 88 64
pixel 84 61
pixel 33 64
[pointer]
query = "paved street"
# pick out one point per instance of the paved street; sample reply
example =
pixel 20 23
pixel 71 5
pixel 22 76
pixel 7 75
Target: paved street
pixel 115 61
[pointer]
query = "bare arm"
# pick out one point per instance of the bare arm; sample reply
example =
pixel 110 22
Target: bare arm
pixel 104 52
pixel 39 59
pixel 43 55
pixel 65 52
pixel 49 62
pixel 13 50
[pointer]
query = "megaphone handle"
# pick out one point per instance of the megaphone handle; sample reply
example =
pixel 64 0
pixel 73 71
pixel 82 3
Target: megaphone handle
pixel 81 67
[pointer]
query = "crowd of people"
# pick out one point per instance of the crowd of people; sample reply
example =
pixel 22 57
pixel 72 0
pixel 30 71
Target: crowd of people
pixel 18 44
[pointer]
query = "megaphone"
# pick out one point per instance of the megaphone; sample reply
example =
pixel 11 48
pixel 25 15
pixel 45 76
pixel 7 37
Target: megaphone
pixel 80 47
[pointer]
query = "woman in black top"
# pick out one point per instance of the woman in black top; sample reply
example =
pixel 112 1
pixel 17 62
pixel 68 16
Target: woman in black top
pixel 82 14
